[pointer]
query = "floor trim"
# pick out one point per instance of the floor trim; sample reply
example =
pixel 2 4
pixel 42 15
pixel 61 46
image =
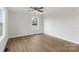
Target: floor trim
pixel 75 42
pixel 24 35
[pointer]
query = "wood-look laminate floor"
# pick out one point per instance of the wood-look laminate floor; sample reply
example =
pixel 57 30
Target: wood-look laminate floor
pixel 40 43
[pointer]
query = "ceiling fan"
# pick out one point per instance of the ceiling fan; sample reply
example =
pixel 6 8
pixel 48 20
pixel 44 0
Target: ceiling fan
pixel 37 9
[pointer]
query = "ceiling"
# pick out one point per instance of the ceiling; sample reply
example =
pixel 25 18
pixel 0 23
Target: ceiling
pixel 47 10
pixel 29 10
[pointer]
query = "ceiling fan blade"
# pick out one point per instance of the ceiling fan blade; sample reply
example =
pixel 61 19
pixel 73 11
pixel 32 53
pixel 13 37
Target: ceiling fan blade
pixel 35 8
pixel 40 7
pixel 40 10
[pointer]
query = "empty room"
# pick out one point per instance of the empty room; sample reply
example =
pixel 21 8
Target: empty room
pixel 39 29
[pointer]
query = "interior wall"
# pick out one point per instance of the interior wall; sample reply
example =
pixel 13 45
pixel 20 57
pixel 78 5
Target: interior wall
pixel 63 24
pixel 20 24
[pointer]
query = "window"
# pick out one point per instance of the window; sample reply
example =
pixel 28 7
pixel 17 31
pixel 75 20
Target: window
pixel 1 21
pixel 35 23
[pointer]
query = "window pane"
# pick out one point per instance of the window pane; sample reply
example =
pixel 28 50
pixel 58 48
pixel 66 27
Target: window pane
pixel 34 21
pixel 0 16
pixel 1 21
pixel 0 29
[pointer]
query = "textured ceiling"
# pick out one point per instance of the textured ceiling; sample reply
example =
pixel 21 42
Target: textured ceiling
pixel 29 10
pixel 47 10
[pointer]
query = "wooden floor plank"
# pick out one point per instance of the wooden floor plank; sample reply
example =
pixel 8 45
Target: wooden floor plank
pixel 40 43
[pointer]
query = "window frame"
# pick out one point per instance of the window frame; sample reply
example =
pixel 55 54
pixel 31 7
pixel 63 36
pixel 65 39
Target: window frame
pixel 35 26
pixel 2 21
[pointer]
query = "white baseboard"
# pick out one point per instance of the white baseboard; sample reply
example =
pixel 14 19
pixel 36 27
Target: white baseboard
pixel 22 35
pixel 73 41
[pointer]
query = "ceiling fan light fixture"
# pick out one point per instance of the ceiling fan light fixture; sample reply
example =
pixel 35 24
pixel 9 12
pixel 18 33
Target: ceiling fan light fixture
pixel 35 11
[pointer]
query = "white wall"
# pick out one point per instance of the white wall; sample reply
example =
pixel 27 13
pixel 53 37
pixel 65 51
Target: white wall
pixel 63 24
pixel 20 24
